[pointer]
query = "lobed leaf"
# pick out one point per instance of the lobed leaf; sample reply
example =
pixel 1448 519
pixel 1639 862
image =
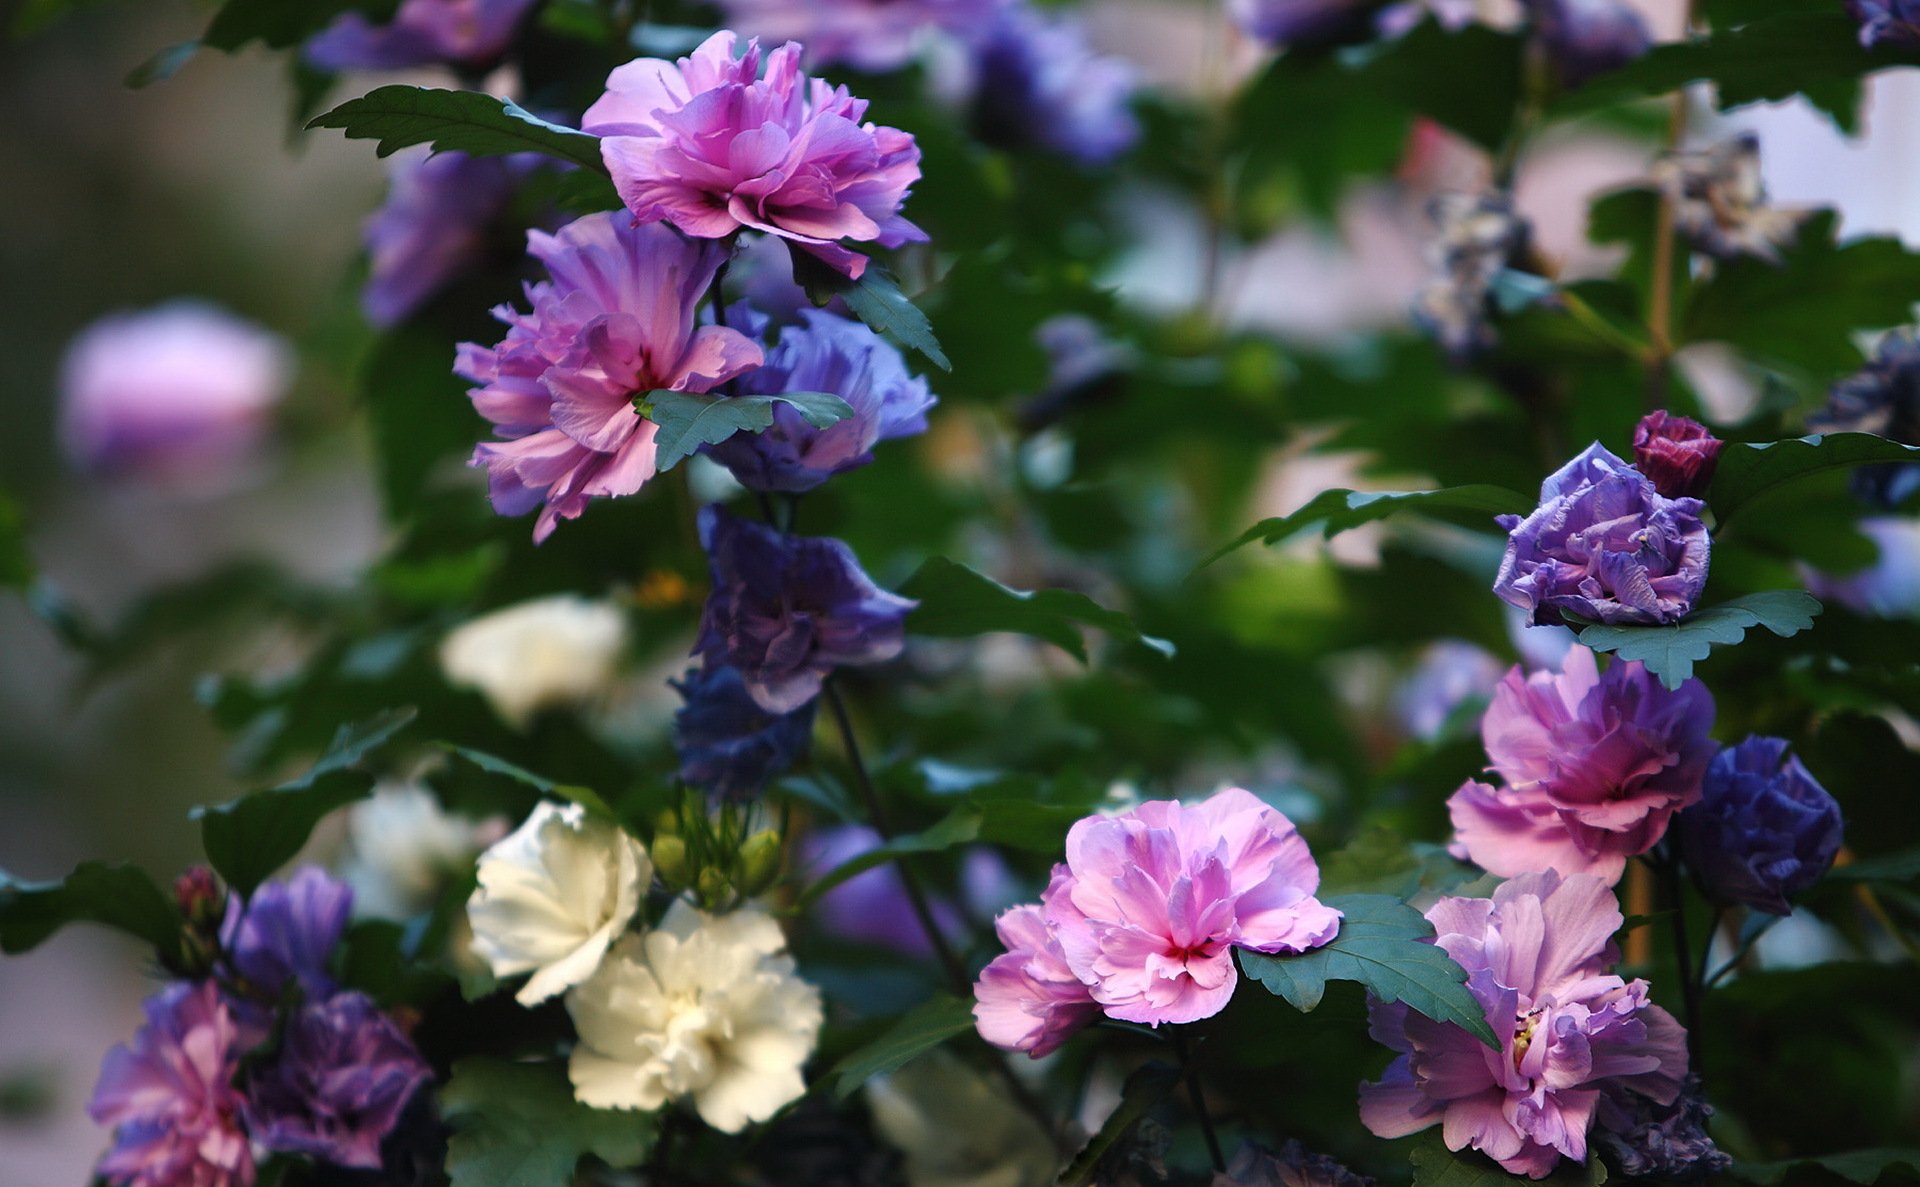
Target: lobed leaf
pixel 875 299
pixel 1343 510
pixel 918 1031
pixel 586 797
pixel 122 897
pixel 689 420
pixel 477 124
pixel 1748 470
pixel 1669 652
pixel 956 602
pixel 1383 945
pixel 518 1125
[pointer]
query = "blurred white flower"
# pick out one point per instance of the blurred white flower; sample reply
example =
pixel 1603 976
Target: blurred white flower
pixel 537 655
pixel 401 848
pixel 553 896
pixel 919 1110
pixel 706 1007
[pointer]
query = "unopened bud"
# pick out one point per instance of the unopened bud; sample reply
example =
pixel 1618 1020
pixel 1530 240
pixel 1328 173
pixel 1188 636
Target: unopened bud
pixel 711 886
pixel 670 861
pixel 759 863
pixel 201 899
pixel 667 823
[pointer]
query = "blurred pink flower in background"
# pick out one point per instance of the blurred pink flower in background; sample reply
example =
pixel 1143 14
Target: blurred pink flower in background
pixel 171 392
pixel 462 32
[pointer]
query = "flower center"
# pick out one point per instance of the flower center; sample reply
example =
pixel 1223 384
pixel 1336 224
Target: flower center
pixel 1523 1036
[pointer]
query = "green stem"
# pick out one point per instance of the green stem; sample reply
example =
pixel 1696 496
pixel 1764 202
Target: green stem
pixel 1683 956
pixel 1199 1100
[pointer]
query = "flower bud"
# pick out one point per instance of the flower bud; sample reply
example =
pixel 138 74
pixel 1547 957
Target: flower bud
pixel 670 861
pixel 711 886
pixel 1764 829
pixel 759 863
pixel 1677 454
pixel 203 904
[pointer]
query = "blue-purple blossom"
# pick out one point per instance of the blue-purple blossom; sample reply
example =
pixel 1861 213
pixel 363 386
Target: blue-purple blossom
pixel 1605 546
pixel 1887 588
pixel 729 746
pixel 787 610
pixel 1292 1165
pixel 1882 398
pixel 1764 829
pixel 468 33
pixel 337 1085
pixel 288 931
pixel 1887 22
pixel 1305 24
pixel 872 35
pixel 435 226
pixel 824 353
pixel 1663 1142
pixel 1037 81
pixel 1584 38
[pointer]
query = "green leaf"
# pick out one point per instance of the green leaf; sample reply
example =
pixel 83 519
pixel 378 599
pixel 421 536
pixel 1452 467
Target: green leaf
pixel 1381 861
pixel 1747 470
pixel 918 1031
pixel 689 420
pixel 16 563
pixel 518 1125
pixel 957 827
pixel 1670 652
pixel 1903 866
pixel 875 299
pixel 1856 1166
pixel 1383 945
pixel 956 602
pixel 248 838
pixel 461 121
pixel 280 24
pixel 1343 510
pixel 417 410
pixel 1436 1166
pixel 586 797
pixel 121 897
pixel 1149 1084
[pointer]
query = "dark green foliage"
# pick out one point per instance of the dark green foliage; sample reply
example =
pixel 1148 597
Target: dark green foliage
pixel 517 1125
pixel 689 420
pixel 117 896
pixel 459 121
pixel 956 602
pixel 922 1029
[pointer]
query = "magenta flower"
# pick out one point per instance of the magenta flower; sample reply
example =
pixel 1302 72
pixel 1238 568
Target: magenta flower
pixel 708 145
pixel 1676 453
pixel 616 320
pixel 170 1096
pixel 1155 898
pixel 1595 767
pixel 1578 1045
pixel 461 32
pixel 1027 998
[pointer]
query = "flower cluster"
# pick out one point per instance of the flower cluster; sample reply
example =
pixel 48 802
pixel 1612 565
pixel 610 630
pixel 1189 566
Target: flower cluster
pixel 1720 203
pixel 1605 546
pixel 331 1088
pixel 1578 1045
pixel 1595 766
pixel 1140 921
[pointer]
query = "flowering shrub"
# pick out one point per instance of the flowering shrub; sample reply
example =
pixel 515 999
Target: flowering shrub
pixel 894 772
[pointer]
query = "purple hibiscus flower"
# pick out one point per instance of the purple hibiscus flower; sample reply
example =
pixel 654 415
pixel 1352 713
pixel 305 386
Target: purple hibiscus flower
pixel 287 932
pixel 1764 829
pixel 728 745
pixel 337 1085
pixel 469 33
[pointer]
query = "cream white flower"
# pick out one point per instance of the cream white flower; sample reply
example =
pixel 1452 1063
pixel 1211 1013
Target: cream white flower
pixel 402 846
pixel 541 654
pixel 957 1128
pixel 706 1007
pixel 553 896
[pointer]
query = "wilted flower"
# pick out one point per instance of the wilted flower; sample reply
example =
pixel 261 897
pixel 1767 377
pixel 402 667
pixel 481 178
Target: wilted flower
pixel 830 354
pixel 553 895
pixel 169 1096
pixel 1664 1142
pixel 1720 201
pixel 1292 1165
pixel 403 847
pixel 706 1007
pixel 1604 545
pixel 999 1145
pixel 1882 398
pixel 1305 24
pixel 1478 237
pixel 1585 38
pixel 615 322
pixel 337 1085
pixel 458 32
pixel 712 148
pixel 288 931
pixel 1027 998
pixel 1764 829
pixel 1037 81
pixel 1451 672
pixel 1888 22
pixel 1577 1044
pixel 1678 455
pixel 1154 900
pixel 1595 764
pixel 871 35
pixel 434 226
pixel 1887 588
pixel 170 391
pixel 787 610
pixel 729 746
pixel 548 653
